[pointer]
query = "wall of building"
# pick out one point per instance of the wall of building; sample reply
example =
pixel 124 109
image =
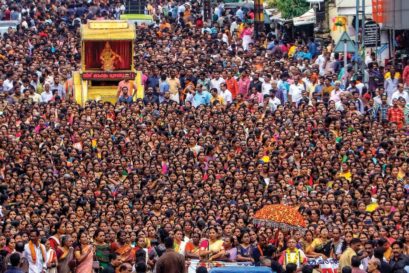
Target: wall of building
pixel 396 14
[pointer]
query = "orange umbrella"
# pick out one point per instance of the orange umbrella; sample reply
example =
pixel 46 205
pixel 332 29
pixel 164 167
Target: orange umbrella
pixel 281 216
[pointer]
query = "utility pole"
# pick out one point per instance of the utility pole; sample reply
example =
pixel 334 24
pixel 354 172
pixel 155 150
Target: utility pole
pixel 393 33
pixel 356 36
pixel 258 17
pixel 345 53
pixel 363 37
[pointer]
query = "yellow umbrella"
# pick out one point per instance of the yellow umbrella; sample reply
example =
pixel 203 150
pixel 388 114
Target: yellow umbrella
pixel 371 207
pixel 265 159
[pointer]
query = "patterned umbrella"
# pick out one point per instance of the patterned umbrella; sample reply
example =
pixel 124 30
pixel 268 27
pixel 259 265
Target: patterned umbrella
pixel 281 216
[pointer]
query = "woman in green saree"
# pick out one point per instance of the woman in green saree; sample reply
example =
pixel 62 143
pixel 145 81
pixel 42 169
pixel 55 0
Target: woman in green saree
pixel 102 249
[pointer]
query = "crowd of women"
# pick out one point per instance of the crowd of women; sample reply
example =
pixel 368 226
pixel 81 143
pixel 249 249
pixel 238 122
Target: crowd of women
pixel 229 124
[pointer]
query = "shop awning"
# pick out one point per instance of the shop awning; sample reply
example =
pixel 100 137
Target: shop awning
pixel 305 19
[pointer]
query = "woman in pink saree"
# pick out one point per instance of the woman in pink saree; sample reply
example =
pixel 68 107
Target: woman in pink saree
pixel 247 36
pixel 84 253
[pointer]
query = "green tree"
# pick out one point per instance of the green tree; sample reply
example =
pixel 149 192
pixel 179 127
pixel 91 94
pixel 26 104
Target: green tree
pixel 291 8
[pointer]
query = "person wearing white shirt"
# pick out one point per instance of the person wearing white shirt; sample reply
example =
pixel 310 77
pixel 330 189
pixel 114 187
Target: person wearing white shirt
pixel 225 38
pixel 360 86
pixel 35 253
pixel 295 92
pixel 321 61
pixel 181 8
pixel 370 58
pixel 34 95
pixel 335 94
pixel 341 105
pixel 216 81
pixel 225 94
pixel 378 98
pixel 266 85
pixel 8 84
pixel 217 11
pixel 273 101
pixel 233 26
pixel 400 93
pixel 390 85
pixel 46 96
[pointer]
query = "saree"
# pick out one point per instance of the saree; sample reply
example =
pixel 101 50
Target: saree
pixel 215 246
pixel 102 255
pixel 63 266
pixel 86 265
pixel 126 253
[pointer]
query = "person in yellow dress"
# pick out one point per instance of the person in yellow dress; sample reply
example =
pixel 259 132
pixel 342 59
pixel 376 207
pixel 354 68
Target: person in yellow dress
pixel 345 172
pixel 392 73
pixel 211 246
pixel 321 246
pixel 292 50
pixel 292 255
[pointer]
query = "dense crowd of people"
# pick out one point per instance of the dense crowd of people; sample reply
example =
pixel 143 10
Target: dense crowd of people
pixel 227 125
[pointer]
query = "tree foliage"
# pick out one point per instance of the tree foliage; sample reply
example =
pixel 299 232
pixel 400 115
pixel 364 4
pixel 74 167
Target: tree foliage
pixel 291 8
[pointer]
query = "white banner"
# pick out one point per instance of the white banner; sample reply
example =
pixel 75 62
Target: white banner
pixel 195 263
pixel 326 266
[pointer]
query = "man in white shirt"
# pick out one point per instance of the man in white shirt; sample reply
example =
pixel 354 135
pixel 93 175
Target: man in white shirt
pixel 216 81
pixel 400 93
pixel 273 101
pixel 266 85
pixel 341 105
pixel 35 253
pixel 8 83
pixel 34 95
pixel 370 58
pixel 321 61
pixel 233 26
pixel 335 94
pixel 296 89
pixel 360 85
pixel 379 92
pixel 46 96
pixel 181 8
pixel 225 94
